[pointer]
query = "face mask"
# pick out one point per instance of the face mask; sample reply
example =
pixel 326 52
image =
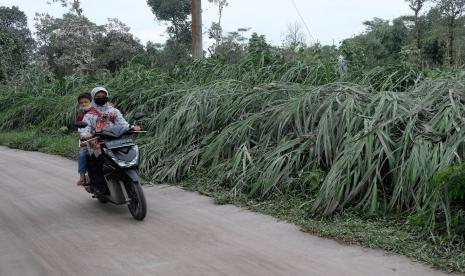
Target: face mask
pixel 101 101
pixel 85 108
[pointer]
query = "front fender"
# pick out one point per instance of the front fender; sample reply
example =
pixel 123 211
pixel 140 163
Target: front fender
pixel 133 174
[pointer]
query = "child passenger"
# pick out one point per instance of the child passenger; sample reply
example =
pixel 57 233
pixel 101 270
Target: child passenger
pixel 85 106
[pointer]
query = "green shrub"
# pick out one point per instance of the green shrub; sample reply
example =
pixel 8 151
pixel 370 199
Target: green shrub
pixel 448 187
pixel 373 144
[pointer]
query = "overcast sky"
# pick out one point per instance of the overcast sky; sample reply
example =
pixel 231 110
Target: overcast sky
pixel 328 20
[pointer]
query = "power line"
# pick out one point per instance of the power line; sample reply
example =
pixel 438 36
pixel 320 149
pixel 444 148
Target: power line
pixel 303 21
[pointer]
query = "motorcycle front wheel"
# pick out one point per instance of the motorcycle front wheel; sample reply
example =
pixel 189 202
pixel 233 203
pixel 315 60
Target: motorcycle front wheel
pixel 137 206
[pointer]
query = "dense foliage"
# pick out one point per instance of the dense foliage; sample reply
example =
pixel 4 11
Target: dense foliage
pixel 16 43
pixel 374 125
pixel 344 145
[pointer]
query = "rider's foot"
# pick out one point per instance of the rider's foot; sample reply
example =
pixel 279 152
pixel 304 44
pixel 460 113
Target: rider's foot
pixel 82 180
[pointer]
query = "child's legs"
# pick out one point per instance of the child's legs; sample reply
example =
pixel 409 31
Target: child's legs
pixel 82 160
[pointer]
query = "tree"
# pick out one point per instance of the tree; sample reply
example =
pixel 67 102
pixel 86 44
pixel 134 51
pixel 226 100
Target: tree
pixel 385 41
pixel 452 10
pixel 216 30
pixel 75 45
pixel 116 47
pixel 74 5
pixel 152 56
pixel 258 50
pixel 178 46
pixel 295 38
pixel 114 24
pixel 16 43
pixel 434 51
pixel 231 49
pixel 66 43
pixel 381 44
pixel 434 39
pixel 416 6
pixel 222 4
pixel 175 11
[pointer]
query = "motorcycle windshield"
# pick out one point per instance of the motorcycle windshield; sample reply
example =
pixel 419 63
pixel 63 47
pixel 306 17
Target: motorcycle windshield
pixel 114 132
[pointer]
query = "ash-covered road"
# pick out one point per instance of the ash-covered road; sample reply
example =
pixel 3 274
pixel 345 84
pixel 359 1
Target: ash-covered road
pixel 49 226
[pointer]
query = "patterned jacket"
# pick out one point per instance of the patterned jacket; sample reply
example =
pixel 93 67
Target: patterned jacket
pixel 104 117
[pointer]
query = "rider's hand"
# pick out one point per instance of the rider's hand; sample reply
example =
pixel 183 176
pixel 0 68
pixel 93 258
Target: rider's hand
pixel 136 128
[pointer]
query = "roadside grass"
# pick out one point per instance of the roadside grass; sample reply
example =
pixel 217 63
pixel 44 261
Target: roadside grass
pixel 393 234
pixel 373 144
pixel 58 143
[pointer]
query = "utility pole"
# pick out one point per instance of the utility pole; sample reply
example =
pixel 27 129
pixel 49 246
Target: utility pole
pixel 197 45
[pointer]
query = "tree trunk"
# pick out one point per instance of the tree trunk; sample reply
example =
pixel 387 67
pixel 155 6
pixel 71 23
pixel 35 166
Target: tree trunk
pixel 451 40
pixel 220 14
pixel 197 47
pixel 220 17
pixel 417 29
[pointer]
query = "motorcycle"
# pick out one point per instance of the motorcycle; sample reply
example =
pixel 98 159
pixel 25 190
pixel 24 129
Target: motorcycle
pixel 113 176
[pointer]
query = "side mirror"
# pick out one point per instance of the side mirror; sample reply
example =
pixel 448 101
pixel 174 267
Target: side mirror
pixel 80 124
pixel 138 116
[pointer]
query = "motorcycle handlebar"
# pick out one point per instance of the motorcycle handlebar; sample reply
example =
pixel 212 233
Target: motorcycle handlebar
pixel 88 140
pixel 97 135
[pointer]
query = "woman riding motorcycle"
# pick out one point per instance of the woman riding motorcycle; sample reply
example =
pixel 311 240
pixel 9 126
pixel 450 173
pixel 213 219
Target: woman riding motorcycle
pixel 106 116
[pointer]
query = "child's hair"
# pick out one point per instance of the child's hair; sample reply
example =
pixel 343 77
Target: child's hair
pixel 85 96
